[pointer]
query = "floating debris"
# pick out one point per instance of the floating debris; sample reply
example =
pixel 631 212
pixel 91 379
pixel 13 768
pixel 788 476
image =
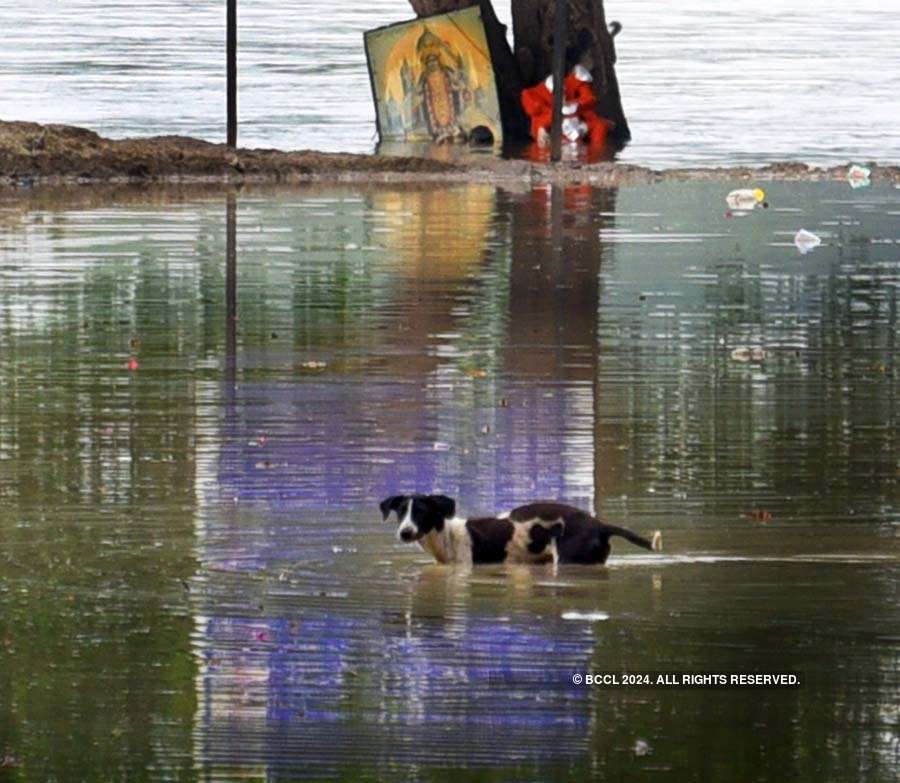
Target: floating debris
pixel 132 364
pixel 311 365
pixel 641 748
pixel 759 515
pixel 439 445
pixel 477 373
pixel 10 761
pixel 747 353
pixel 746 199
pixel 858 176
pixel 587 617
pixel 806 241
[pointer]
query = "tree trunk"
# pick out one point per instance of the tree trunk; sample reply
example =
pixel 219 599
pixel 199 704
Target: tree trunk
pixel 589 41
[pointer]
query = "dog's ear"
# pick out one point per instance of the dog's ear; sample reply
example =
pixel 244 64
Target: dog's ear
pixel 393 503
pixel 446 506
pixel 556 530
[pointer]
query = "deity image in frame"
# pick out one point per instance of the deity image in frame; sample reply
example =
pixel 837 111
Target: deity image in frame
pixel 433 79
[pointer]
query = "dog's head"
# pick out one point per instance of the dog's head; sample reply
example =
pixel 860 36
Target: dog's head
pixel 418 515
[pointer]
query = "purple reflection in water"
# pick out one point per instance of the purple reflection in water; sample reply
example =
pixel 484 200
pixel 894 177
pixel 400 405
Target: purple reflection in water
pixel 339 687
pixel 341 444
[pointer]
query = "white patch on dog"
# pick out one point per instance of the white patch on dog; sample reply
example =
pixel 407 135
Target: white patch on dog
pixel 517 550
pixel 406 524
pixel 452 545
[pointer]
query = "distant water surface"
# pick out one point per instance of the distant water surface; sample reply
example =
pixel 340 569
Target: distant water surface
pixel 703 82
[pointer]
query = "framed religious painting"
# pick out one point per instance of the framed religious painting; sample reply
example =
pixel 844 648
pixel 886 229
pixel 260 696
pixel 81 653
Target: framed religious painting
pixel 433 80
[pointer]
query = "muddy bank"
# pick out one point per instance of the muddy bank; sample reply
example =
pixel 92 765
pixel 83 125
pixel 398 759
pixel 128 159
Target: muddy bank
pixel 33 154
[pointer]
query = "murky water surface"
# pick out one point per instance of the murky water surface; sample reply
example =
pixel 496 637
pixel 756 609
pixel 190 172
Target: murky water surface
pixel 194 579
pixel 810 80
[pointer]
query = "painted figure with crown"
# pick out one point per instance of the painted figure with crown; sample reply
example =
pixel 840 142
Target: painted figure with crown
pixel 442 89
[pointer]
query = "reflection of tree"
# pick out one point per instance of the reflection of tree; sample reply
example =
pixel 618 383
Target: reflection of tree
pixel 93 456
pixel 554 303
pixel 820 411
pixel 99 467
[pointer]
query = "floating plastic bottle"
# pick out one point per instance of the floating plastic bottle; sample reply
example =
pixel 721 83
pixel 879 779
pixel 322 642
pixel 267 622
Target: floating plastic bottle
pixel 746 199
pixel 858 176
pixel 806 241
pixel 749 353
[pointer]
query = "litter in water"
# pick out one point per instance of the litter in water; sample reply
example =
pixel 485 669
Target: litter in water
pixel 641 748
pixel 749 354
pixel 746 199
pixel 858 176
pixel 589 617
pixel 806 241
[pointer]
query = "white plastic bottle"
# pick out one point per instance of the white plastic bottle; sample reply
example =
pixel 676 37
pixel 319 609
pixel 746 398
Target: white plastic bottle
pixel 746 199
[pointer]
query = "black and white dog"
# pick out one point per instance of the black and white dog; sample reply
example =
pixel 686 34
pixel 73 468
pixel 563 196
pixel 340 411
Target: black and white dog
pixel 536 533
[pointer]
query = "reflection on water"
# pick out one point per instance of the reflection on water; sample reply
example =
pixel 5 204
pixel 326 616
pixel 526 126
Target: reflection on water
pixel 194 578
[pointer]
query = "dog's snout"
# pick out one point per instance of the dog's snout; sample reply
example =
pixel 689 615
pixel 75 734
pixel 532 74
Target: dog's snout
pixel 406 534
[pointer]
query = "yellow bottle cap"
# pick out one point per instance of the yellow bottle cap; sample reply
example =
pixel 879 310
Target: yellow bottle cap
pixel 759 194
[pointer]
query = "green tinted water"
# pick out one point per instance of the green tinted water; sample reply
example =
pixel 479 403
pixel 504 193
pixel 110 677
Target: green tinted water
pixel 194 579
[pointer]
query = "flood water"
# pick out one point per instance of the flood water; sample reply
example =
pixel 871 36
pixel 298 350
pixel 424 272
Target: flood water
pixel 809 80
pixel 195 581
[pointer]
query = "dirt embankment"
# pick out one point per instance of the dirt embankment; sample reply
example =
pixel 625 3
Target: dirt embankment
pixel 33 154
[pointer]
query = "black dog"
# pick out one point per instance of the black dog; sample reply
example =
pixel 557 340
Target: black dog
pixel 535 533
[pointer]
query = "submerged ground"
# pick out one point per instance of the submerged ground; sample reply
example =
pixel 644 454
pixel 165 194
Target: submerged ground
pixel 33 154
pixel 195 582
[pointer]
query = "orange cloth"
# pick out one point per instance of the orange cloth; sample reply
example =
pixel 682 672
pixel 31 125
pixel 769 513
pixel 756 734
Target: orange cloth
pixel 538 104
pixel 583 94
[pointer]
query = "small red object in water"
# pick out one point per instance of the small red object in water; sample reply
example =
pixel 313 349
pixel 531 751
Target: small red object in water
pixel 132 364
pixel 729 213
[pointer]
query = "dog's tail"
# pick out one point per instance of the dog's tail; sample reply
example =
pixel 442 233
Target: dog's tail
pixel 654 544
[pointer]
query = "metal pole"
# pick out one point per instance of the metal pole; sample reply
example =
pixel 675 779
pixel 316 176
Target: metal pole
pixel 230 287
pixel 231 69
pixel 560 34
